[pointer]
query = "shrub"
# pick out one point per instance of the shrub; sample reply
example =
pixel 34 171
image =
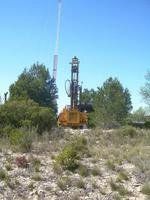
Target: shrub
pixel 31 186
pixel 80 183
pixel 18 113
pixel 36 163
pixel 37 177
pixel 68 158
pixel 83 170
pixel 8 167
pixel 63 183
pixel 21 139
pixel 70 154
pixel 119 188
pixel 3 174
pixel 96 171
pixel 122 176
pixel 110 164
pixel 128 131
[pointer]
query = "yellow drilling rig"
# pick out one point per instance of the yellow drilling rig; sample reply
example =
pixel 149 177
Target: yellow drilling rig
pixel 74 115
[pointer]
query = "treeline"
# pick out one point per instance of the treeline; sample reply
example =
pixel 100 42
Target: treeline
pixel 32 103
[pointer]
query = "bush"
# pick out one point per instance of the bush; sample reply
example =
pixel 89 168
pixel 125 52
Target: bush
pixel 68 158
pixel 122 176
pixel 128 131
pixel 96 171
pixel 63 183
pixel 119 188
pixel 111 164
pixel 3 174
pixel 26 113
pixel 21 139
pixel 71 153
pixel 83 170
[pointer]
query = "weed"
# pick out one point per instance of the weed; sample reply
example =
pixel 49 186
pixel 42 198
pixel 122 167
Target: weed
pixel 68 157
pixel 21 139
pixel 83 170
pixel 80 183
pixel 94 185
pixel 3 175
pixel 63 183
pixel 57 168
pixel 117 197
pixel 11 184
pixel 120 188
pixel 128 131
pixel 31 186
pixel 37 177
pixel 146 189
pixel 96 171
pixel 122 176
pixel 102 191
pixel 36 164
pixel 110 164
pixel 8 167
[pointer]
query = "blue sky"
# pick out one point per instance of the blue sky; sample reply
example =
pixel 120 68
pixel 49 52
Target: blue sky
pixel 110 37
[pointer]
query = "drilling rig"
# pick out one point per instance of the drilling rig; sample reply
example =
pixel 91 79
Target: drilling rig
pixel 72 116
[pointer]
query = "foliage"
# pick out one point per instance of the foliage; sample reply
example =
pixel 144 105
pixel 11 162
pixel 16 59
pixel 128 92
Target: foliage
pixel 80 183
pixel 83 170
pixel 122 176
pixel 128 131
pixel 111 165
pixel 120 188
pixel 36 163
pixel 35 84
pixel 70 154
pixel 139 115
pixel 111 102
pixel 20 139
pixel 3 174
pixel 96 171
pixel 68 158
pixel 63 183
pixel 8 167
pixel 26 113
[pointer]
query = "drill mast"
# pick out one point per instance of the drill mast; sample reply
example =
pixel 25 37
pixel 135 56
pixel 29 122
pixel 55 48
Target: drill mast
pixel 74 86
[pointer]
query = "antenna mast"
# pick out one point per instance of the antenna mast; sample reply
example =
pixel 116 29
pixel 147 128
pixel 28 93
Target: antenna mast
pixel 55 60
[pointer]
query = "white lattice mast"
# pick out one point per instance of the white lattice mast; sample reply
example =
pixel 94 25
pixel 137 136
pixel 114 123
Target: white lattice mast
pixel 55 61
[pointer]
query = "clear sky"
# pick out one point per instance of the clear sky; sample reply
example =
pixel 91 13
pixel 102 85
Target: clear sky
pixel 110 37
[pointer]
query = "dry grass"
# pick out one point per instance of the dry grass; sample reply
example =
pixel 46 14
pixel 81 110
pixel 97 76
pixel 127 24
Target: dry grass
pixel 95 155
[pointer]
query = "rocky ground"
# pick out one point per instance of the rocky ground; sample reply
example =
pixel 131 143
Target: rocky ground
pixel 112 170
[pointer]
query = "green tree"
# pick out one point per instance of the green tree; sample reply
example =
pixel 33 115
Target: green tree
pixel 88 96
pixel 138 115
pixel 145 90
pixel 35 84
pixel 111 102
